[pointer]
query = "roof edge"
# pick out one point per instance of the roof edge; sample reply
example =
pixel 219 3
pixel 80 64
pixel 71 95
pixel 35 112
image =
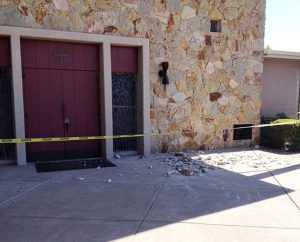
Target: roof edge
pixel 278 54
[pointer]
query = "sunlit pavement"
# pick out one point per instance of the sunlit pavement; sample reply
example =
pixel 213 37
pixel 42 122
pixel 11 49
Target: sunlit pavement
pixel 253 196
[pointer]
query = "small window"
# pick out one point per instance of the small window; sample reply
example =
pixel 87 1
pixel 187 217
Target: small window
pixel 215 26
pixel 241 132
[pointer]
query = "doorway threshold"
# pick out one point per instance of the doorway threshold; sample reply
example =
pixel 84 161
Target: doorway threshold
pixel 126 153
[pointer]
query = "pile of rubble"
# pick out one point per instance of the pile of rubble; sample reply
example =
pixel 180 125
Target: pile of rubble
pixel 188 164
pixel 196 163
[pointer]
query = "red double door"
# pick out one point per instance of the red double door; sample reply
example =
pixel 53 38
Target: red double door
pixel 61 98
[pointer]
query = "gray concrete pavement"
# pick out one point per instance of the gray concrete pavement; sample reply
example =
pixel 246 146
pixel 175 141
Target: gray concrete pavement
pixel 254 196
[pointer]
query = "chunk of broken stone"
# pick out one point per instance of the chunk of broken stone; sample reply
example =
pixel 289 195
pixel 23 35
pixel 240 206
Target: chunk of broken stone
pixel 196 170
pixel 203 170
pixel 178 153
pixel 170 173
pixel 168 160
pixel 185 170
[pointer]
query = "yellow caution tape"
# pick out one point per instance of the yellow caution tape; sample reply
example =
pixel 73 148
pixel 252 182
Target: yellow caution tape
pixel 63 139
pixel 266 125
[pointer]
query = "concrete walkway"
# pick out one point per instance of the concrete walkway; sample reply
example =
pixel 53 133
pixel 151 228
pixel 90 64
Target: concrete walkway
pixel 254 196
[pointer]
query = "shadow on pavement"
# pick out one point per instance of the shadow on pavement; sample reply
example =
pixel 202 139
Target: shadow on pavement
pixel 61 208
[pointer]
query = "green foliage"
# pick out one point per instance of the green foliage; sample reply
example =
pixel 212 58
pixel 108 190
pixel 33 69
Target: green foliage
pixel 289 120
pixel 285 136
pixel 267 120
pixel 281 115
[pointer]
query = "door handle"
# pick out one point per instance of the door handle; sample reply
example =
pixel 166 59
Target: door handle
pixel 67 121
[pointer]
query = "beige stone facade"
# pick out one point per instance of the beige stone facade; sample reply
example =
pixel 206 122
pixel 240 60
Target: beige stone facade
pixel 215 78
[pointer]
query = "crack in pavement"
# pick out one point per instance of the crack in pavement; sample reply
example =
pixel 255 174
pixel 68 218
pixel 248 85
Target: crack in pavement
pixel 29 190
pixel 151 205
pixel 285 191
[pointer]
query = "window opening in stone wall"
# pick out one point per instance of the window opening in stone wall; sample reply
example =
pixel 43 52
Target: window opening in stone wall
pixel 215 26
pixel 242 134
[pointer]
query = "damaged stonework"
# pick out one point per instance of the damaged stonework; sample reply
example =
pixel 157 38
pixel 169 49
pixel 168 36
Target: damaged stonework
pixel 215 78
pixel 200 163
pixel 187 164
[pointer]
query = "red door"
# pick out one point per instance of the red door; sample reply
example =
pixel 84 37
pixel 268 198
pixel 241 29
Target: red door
pixel 124 62
pixel 61 96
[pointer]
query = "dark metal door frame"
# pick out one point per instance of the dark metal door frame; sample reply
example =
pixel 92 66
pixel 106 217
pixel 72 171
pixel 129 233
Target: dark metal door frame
pixel 124 110
pixel 7 151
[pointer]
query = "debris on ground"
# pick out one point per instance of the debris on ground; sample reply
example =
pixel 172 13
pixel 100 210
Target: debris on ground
pixel 185 170
pixel 171 172
pixel 195 163
pixel 187 164
pixel 80 179
pixel 117 156
pixel 98 168
pixel 178 153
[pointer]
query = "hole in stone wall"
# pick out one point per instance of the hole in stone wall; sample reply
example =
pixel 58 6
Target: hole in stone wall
pixel 215 26
pixel 242 134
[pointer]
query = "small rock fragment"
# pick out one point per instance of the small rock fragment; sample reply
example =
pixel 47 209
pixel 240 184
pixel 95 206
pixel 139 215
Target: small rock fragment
pixel 168 160
pixel 80 179
pixel 117 156
pixel 179 154
pixel 196 170
pixel 203 170
pixel 150 167
pixel 185 170
pixel 169 173
pixel 109 181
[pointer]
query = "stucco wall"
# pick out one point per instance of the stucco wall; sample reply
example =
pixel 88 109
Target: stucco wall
pixel 280 87
pixel 215 78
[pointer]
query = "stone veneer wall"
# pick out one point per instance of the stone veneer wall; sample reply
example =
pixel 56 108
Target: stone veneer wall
pixel 215 78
